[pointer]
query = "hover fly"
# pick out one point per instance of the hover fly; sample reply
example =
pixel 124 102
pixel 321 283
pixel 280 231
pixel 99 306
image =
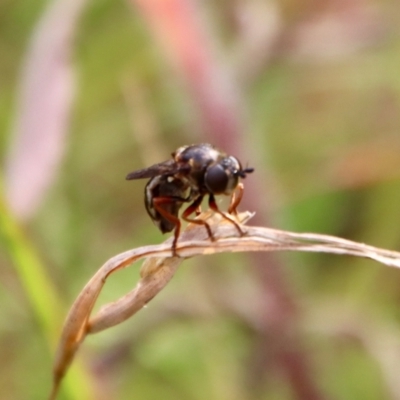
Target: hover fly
pixel 193 172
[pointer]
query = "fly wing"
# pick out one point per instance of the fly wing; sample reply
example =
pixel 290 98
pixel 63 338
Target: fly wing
pixel 169 167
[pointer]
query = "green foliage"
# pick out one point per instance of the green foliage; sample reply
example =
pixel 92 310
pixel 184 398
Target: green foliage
pixel 327 134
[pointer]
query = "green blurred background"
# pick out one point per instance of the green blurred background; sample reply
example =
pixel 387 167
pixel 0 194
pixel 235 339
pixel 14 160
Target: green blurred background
pixel 318 84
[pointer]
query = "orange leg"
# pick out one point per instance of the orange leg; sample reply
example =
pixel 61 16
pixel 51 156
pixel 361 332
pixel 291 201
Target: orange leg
pixel 157 203
pixel 236 199
pixel 193 208
pixel 214 207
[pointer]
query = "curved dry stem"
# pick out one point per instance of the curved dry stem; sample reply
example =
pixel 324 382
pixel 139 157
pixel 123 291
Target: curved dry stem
pixel 159 267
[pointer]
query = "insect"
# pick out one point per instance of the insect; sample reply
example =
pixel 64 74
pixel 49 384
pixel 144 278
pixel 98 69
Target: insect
pixel 194 172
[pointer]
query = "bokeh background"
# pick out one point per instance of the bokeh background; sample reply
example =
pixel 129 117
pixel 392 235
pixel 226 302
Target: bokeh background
pixel 306 92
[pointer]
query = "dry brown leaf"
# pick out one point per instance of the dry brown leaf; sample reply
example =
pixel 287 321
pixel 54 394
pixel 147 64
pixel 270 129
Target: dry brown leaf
pixel 159 267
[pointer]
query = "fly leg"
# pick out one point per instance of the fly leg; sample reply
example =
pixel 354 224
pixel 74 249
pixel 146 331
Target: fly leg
pixel 236 199
pixel 194 208
pixel 158 203
pixel 214 207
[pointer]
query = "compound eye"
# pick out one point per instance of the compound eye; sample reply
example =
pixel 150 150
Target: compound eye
pixel 216 179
